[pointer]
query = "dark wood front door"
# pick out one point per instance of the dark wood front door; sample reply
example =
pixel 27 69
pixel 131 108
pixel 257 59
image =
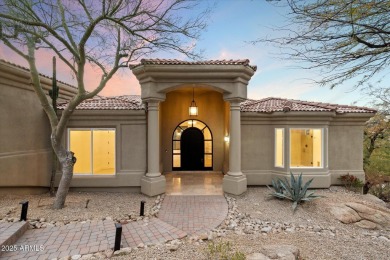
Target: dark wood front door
pixel 192 149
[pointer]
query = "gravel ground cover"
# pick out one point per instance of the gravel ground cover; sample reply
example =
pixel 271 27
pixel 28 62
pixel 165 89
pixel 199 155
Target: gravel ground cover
pixel 102 205
pixel 311 228
pixel 253 221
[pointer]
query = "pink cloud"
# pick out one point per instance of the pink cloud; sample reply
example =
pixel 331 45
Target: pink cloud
pixel 122 83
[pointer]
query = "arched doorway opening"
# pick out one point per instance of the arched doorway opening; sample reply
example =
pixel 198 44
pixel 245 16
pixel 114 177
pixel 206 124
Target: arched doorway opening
pixel 192 144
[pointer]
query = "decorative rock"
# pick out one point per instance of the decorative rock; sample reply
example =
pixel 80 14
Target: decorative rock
pixel 345 214
pixel 123 251
pixel 375 199
pixel 203 236
pixel 76 257
pixel 172 247
pixel 285 252
pixel 317 228
pixel 366 224
pixel 376 215
pixel 266 229
pixel 141 245
pixel 257 256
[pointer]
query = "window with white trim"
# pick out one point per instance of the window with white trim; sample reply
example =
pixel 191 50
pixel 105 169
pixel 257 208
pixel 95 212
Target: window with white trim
pixel 94 150
pixel 306 147
pixel 279 147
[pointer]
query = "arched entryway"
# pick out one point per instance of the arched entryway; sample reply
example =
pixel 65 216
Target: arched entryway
pixel 192 145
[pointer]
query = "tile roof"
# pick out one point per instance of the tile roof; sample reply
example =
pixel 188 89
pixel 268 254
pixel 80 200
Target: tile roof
pixel 128 102
pixel 28 70
pixel 244 62
pixel 266 105
pixel 269 105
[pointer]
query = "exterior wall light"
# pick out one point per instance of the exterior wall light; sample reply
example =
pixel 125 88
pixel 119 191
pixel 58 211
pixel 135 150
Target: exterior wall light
pixel 226 138
pixel 193 109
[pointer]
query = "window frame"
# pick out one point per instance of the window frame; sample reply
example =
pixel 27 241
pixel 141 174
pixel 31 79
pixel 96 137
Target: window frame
pixel 91 148
pixel 322 147
pixel 283 147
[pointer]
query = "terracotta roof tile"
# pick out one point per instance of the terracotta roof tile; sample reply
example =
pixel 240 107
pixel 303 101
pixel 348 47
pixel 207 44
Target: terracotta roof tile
pixel 269 105
pixel 244 62
pixel 128 102
pixel 266 105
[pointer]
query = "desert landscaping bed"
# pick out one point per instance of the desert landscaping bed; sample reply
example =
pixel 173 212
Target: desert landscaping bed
pixel 254 221
pixel 101 205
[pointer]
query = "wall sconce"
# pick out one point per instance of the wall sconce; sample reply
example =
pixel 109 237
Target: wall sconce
pixel 226 138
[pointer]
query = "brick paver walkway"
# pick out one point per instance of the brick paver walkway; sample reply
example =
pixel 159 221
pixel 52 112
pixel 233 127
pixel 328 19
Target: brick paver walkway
pixel 90 237
pixel 178 216
pixel 10 232
pixel 194 214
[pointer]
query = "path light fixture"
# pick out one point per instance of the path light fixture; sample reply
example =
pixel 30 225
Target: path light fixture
pixel 193 110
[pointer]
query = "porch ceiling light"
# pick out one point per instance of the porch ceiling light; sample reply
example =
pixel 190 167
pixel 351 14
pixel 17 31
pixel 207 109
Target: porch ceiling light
pixel 226 138
pixel 193 110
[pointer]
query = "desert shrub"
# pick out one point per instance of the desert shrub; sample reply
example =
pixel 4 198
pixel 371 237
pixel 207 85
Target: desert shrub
pixel 351 182
pixel 223 251
pixel 382 191
pixel 293 190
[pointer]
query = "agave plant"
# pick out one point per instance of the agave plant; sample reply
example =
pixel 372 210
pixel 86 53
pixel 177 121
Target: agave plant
pixel 276 186
pixel 293 190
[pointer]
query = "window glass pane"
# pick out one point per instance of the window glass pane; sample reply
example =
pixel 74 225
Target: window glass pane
pixel 103 151
pixel 279 157
pixel 208 160
pixel 207 134
pixel 176 160
pixel 208 147
pixel 80 144
pixel 306 147
pixel 177 134
pixel 176 146
pixel 186 124
pixel 198 124
pixel 317 149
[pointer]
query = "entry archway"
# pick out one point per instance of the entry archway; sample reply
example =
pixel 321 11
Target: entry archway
pixel 192 146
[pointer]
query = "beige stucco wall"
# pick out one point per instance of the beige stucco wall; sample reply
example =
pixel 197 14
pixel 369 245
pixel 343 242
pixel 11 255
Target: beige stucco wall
pixel 174 110
pixel 25 149
pixel 130 157
pixel 342 141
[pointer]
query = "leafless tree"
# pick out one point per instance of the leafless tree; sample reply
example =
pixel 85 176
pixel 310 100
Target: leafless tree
pixel 105 33
pixel 344 40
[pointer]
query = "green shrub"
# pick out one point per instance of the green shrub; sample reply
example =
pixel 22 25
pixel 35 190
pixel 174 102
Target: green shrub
pixel 382 191
pixel 223 251
pixel 351 182
pixel 293 190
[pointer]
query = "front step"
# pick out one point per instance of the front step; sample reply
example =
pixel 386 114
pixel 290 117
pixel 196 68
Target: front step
pixel 10 232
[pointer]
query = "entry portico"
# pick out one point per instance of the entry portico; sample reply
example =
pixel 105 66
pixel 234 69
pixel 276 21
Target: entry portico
pixel 225 79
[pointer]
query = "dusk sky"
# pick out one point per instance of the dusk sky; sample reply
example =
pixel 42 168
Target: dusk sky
pixel 232 24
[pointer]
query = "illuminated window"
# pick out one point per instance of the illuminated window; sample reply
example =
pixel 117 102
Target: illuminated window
pixel 306 148
pixel 94 150
pixel 279 147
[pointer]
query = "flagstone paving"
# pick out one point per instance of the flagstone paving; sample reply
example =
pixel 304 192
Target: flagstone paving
pixel 179 216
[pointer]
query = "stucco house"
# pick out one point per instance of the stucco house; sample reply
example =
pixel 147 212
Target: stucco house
pixel 190 116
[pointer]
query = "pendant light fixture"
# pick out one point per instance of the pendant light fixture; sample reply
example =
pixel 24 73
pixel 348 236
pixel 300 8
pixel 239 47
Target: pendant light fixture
pixel 193 110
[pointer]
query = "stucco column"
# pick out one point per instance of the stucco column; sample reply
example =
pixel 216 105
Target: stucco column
pixel 235 182
pixel 153 183
pixel 153 140
pixel 235 140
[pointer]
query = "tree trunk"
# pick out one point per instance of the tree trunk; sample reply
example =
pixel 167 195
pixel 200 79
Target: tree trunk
pixel 67 164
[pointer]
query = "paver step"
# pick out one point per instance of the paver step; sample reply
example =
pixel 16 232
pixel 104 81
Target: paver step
pixel 10 232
